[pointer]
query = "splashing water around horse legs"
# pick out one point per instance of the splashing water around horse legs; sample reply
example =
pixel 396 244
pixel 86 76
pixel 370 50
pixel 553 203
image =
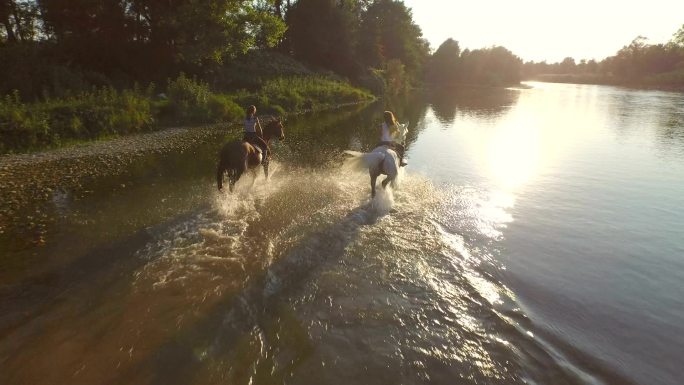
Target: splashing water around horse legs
pixel 239 156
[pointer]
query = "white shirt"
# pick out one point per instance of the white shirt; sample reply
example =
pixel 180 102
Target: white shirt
pixel 250 124
pixel 386 135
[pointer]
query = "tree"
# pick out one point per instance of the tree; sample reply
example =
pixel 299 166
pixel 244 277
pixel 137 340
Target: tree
pixel 116 36
pixel 443 65
pixel 323 33
pixel 6 8
pixel 678 37
pixel 388 32
pixel 568 65
pixel 492 66
pixel 18 20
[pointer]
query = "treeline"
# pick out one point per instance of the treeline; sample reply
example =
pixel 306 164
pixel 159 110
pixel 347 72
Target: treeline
pixel 487 66
pixel 53 46
pixel 636 64
pixel 74 69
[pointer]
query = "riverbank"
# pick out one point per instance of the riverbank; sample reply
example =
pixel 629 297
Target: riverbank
pixel 31 180
pixel 594 79
pixel 107 112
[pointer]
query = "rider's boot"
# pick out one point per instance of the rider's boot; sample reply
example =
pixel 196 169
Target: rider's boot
pixel 401 161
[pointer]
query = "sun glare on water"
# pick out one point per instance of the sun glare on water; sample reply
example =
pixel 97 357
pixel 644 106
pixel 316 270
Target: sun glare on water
pixel 514 154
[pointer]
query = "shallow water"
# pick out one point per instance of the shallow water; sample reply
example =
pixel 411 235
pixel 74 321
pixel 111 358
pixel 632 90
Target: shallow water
pixel 537 236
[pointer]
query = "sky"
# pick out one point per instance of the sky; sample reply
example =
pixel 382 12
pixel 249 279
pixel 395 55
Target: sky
pixel 548 29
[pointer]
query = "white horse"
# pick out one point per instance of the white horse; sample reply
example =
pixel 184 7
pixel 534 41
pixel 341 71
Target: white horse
pixel 382 160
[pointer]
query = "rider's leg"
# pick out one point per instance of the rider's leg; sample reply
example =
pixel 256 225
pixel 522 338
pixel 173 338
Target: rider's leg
pixel 264 148
pixel 400 150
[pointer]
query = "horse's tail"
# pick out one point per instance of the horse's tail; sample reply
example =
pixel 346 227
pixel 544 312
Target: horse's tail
pixel 364 160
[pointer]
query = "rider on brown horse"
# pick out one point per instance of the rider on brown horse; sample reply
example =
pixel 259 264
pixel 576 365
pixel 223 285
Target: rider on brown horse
pixel 254 134
pixel 239 156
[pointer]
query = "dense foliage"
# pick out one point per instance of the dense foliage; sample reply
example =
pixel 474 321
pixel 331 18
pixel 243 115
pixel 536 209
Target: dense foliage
pixel 487 66
pixel 51 46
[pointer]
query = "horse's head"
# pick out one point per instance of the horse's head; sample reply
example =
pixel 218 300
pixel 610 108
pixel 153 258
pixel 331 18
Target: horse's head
pixel 274 129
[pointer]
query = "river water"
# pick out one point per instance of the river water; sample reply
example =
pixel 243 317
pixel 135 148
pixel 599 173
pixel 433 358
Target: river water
pixel 536 236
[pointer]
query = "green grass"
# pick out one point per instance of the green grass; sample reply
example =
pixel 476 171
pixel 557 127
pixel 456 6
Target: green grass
pixel 107 112
pixel 91 115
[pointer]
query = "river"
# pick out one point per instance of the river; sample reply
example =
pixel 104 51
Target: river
pixel 536 236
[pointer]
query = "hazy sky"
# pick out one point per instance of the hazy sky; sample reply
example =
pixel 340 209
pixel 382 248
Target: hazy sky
pixel 548 29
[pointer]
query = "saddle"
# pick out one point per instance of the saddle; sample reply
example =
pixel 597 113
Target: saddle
pixel 258 148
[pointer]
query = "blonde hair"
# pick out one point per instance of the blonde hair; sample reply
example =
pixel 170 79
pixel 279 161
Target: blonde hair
pixel 389 118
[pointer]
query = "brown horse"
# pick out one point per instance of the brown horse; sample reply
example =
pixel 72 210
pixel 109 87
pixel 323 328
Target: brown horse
pixel 238 156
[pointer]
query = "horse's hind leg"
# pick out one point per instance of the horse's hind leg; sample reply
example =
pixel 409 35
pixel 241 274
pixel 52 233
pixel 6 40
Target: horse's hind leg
pixel 233 177
pixel 374 178
pixel 231 180
pixel 386 181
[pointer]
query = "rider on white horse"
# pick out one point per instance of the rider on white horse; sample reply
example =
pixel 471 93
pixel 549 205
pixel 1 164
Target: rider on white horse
pixel 385 158
pixel 391 134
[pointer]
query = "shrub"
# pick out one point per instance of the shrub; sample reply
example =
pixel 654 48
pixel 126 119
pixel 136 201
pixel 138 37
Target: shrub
pixel 188 99
pixel 19 128
pixel 222 108
pixel 298 93
pixel 85 116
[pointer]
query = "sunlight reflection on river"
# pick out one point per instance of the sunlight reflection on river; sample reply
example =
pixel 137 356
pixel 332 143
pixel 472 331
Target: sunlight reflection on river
pixel 528 225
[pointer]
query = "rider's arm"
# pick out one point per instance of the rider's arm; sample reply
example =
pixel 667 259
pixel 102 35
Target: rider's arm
pixel 259 131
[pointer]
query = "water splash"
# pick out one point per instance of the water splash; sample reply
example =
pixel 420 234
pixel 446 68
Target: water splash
pixel 383 201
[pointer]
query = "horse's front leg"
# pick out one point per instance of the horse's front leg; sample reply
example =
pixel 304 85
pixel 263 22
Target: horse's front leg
pixel 220 169
pixel 374 178
pixel 254 175
pixel 232 179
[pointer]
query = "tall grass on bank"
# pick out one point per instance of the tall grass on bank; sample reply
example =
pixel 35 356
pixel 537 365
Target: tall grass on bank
pixel 108 112
pixel 191 102
pixel 88 115
pixel 297 94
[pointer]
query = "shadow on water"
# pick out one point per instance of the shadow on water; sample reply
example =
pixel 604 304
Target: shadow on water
pixel 92 294
pixel 256 336
pixel 102 207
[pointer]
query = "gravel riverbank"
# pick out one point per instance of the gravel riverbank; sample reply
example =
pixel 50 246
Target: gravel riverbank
pixel 27 181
